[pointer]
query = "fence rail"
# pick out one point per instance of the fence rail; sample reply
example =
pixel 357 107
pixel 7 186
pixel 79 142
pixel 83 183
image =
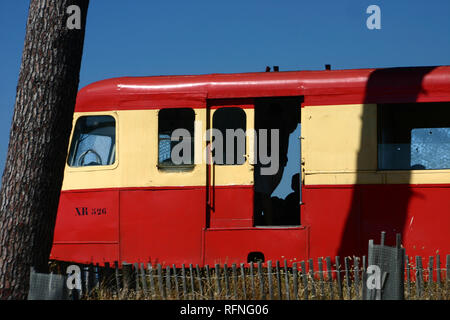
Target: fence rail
pixel 325 278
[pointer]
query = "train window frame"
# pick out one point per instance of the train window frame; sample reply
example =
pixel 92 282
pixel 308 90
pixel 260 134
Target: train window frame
pixel 381 118
pixel 72 135
pixel 224 151
pixel 175 167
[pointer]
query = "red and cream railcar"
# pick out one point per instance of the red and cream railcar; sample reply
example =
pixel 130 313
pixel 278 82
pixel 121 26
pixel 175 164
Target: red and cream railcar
pixel 375 156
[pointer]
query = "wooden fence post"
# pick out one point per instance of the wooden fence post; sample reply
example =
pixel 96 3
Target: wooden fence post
pixel 419 277
pixel 87 289
pixel 144 281
pixel 168 282
pixel 235 279
pixel 98 276
pixel 286 281
pixel 330 276
pixel 136 277
pixel 243 281
pixel 183 275
pixel 152 280
pixel 448 269
pixel 116 272
pixel 311 273
pixel 347 278
pixel 106 279
pixel 438 276
pixel 261 281
pixel 269 279
pixel 162 292
pixel 321 280
pixel 305 280
pixel 91 278
pixel 252 281
pixel 363 277
pixel 191 277
pixel 295 280
pixel 227 281
pixel 219 289
pixel 199 280
pixel 356 274
pixel 126 277
pixel 447 275
pixel 277 266
pixel 338 278
pixel 208 280
pixel 175 279
pixel 430 272
pixel 408 276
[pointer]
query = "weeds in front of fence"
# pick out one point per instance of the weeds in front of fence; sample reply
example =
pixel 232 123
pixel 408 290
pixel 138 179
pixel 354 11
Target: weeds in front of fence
pixel 273 281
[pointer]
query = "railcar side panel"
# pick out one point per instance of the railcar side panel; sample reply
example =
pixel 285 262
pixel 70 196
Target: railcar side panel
pixel 87 226
pixel 162 225
pixel 233 245
pixel 232 206
pixel 343 218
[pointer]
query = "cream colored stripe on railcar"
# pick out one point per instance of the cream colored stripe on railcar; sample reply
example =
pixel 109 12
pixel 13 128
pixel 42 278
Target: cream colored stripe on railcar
pixel 137 157
pixel 339 147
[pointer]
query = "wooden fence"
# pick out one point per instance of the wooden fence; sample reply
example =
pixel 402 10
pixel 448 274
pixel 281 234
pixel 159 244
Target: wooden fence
pixel 321 279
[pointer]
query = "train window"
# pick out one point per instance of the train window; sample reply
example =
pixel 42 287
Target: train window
pixel 231 122
pixel 414 136
pixel 176 138
pixel 93 142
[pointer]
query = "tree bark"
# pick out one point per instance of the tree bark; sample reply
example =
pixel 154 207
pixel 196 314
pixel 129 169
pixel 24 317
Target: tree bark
pixel 41 125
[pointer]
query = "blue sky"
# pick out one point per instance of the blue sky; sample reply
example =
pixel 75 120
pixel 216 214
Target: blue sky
pixel 145 38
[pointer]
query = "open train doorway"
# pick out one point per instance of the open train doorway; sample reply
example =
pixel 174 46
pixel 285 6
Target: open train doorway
pixel 277 172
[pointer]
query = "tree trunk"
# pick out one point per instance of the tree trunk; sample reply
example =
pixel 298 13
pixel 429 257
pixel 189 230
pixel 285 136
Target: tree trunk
pixel 41 125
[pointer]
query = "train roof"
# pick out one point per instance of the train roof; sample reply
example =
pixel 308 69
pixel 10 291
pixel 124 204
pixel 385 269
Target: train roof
pixel 386 85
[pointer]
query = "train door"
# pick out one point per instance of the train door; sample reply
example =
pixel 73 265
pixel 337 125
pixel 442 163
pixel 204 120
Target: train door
pixel 229 168
pixel 237 231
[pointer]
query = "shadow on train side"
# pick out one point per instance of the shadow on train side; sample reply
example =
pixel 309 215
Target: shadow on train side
pixel 376 208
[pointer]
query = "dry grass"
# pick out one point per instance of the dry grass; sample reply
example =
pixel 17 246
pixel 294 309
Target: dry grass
pixel 317 289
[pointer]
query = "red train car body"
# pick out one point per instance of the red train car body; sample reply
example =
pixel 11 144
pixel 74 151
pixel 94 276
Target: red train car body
pixel 368 164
